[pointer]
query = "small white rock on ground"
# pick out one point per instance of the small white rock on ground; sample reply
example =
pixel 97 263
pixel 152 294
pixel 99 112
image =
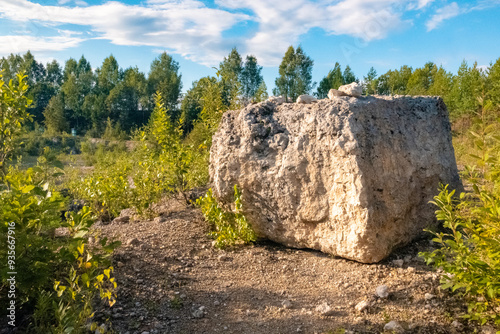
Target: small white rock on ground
pixel 286 304
pixel 393 326
pixel 361 306
pixel 429 296
pixel 276 99
pixel 325 309
pixel 398 263
pixel 382 291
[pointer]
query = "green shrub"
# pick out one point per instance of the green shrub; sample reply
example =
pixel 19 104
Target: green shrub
pixel 103 153
pixel 229 228
pixel 33 143
pixel 168 148
pixel 106 190
pixel 56 279
pixel 198 141
pixel 151 182
pixel 469 250
pixel 33 211
pixel 13 115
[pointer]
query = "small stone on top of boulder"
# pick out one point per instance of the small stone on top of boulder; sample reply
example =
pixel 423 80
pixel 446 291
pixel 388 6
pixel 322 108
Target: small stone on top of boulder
pixel 352 89
pixel 306 99
pixel 333 93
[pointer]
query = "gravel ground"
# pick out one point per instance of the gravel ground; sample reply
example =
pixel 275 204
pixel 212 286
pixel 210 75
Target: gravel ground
pixel 171 280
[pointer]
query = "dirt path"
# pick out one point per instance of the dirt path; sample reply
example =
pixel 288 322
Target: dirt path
pixel 171 280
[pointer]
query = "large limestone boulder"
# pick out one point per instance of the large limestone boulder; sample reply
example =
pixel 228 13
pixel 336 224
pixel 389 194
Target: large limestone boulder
pixel 351 176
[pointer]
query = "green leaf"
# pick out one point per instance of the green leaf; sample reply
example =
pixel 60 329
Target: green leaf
pixel 28 188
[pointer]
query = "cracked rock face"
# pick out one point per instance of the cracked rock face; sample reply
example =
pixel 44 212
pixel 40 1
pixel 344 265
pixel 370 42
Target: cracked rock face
pixel 351 176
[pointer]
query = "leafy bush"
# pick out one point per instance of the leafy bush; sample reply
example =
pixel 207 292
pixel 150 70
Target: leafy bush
pixel 13 104
pixel 34 142
pixel 95 152
pixel 229 228
pixel 30 212
pixel 33 210
pixel 469 250
pixel 106 191
pixel 170 150
pixel 150 180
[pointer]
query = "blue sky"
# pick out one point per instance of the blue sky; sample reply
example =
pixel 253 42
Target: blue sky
pixel 384 34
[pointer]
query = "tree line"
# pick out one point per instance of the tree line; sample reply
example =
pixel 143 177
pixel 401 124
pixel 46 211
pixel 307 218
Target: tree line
pixel 77 97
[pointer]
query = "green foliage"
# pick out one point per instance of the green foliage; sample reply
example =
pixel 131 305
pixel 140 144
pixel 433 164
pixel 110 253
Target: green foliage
pixel 113 131
pixel 295 74
pixel 101 153
pixel 469 250
pixel 126 99
pixel 213 108
pixel 162 164
pixel 252 80
pixel 55 118
pixel 261 93
pixel 192 103
pixel 334 80
pixel 106 190
pixel 33 143
pixel 394 81
pixel 229 228
pixel 172 152
pixel 348 75
pixel 13 114
pixel 30 210
pixel 165 79
pixel 467 86
pixel 230 71
pixel 370 82
pixel 421 79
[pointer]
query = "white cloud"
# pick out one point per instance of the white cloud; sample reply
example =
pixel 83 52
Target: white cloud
pixel 23 43
pixel 444 13
pixel 198 32
pixel 424 3
pixel 453 10
pixel 185 27
pixel 281 23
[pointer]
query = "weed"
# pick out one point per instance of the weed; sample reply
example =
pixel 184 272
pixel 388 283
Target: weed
pixel 176 303
pixel 229 228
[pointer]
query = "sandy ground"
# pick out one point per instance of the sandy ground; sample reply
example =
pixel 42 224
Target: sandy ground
pixel 171 280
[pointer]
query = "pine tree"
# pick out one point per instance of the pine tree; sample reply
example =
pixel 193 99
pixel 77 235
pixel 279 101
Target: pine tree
pixel 261 93
pixel 192 103
pixel 493 88
pixel 421 79
pixel 333 80
pixel 442 82
pixel 370 82
pixel 348 76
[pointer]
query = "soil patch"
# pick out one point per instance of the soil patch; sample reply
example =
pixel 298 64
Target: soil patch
pixel 171 280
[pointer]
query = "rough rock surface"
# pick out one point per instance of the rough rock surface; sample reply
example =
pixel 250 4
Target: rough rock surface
pixel 333 93
pixel 306 99
pixel 352 89
pixel 351 177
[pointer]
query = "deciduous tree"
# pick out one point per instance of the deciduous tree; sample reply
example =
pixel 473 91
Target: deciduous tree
pixel 295 74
